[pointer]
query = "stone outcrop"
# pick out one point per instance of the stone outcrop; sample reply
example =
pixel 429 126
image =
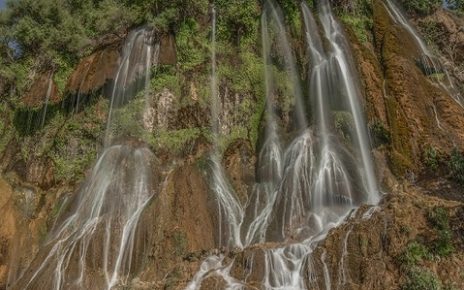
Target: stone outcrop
pixel 41 86
pixel 94 71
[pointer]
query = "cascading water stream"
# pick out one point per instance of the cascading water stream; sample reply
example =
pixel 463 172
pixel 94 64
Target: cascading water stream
pixel 430 63
pixel 230 210
pixel 99 233
pixel 133 74
pixel 304 189
pixel 339 47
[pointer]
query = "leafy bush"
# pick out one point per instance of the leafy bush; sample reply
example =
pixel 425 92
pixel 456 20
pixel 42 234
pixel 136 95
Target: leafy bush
pixel 379 134
pixel 443 245
pixel 344 124
pixel 423 7
pixel 456 5
pixel 176 140
pixel 421 279
pixel 414 254
pixel 431 158
pixel 456 166
pixel 361 25
pixel 191 45
pixel 237 20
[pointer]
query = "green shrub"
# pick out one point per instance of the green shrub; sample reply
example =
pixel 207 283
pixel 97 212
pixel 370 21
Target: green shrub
pixel 176 140
pixel 361 26
pixel 421 279
pixel 379 133
pixel 443 245
pixel 456 5
pixel 431 158
pixel 423 7
pixel 344 124
pixel 414 254
pixel 192 44
pixel 456 166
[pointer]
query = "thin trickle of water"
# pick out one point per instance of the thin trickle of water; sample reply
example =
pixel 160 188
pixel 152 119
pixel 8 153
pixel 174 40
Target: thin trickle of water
pixel 342 275
pixel 437 120
pixel 47 99
pixel 325 269
pixel 230 211
pixel 214 84
pixel 430 62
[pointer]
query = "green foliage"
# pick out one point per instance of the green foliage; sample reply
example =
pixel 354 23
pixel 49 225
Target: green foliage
pixel 414 254
pixel 191 45
pixel 176 140
pixel 361 26
pixel 421 279
pixel 126 120
pixel 456 166
pixel 423 7
pixel 43 26
pixel 64 71
pixel 379 133
pixel 19 72
pixel 344 124
pixel 180 243
pixel 431 31
pixel 356 14
pixel 456 5
pixel 166 77
pixel 237 20
pixel 431 158
pixel 72 143
pixel 443 245
pixel 6 130
pixel 292 13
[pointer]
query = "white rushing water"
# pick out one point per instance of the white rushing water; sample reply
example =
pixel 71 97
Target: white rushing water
pixel 303 188
pixel 138 56
pixel 95 241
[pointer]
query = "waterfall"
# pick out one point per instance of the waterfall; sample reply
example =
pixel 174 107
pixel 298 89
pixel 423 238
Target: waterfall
pixel 99 233
pixel 309 185
pixel 352 93
pixel 132 75
pixel 429 61
pixel 230 211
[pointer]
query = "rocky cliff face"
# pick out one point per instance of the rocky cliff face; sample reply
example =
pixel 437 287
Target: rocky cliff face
pixel 415 235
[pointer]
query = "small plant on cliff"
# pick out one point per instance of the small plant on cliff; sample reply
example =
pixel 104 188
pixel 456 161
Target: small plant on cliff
pixel 431 158
pixel 423 7
pixel 379 134
pixel 456 166
pixel 439 218
pixel 457 5
pixel 414 254
pixel 421 279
